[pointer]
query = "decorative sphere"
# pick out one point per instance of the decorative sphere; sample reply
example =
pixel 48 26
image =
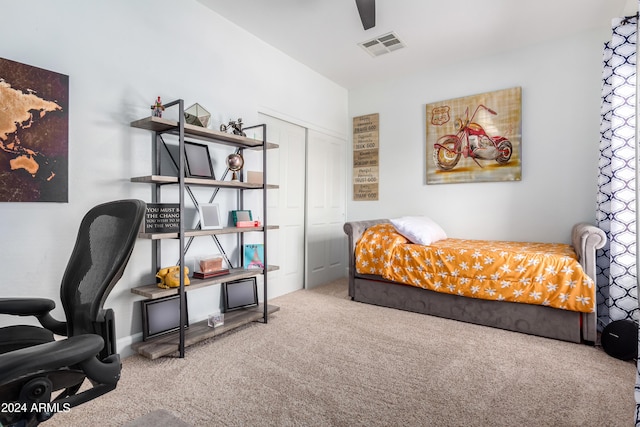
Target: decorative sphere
pixel 235 162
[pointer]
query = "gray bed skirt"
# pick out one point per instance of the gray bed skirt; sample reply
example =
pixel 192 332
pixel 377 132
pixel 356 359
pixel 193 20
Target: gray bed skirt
pixel 526 318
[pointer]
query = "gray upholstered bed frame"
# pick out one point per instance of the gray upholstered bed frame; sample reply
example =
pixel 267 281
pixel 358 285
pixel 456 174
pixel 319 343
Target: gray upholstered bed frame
pixel 531 319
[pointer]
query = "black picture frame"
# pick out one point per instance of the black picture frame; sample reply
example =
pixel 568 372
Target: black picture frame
pixel 239 294
pixel 161 316
pixel 198 161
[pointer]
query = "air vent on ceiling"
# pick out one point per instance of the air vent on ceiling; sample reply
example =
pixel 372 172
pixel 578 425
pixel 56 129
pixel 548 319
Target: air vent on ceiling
pixel 382 44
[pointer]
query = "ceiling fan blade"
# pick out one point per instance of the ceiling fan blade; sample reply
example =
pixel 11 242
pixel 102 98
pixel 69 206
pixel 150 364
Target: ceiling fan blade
pixel 367 11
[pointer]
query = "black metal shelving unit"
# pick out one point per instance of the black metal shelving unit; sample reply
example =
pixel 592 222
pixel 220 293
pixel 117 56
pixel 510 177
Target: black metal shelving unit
pixel 160 128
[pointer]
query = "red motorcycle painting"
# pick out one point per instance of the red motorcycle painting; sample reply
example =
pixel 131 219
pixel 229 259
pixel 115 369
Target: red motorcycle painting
pixel 471 140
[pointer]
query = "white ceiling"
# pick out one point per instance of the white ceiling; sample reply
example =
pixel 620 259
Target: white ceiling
pixel 324 34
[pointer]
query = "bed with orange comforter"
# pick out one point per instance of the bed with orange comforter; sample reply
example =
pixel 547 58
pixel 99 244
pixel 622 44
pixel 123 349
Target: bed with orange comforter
pixel 544 289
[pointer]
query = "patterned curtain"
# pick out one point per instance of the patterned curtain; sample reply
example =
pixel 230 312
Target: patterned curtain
pixel 616 211
pixel 616 206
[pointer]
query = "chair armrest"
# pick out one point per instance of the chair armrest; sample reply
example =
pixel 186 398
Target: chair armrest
pixel 37 307
pixel 26 306
pixel 586 239
pixel 49 356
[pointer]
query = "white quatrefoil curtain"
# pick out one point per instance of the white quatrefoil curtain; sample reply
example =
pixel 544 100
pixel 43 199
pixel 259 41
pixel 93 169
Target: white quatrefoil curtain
pixel 616 209
pixel 616 214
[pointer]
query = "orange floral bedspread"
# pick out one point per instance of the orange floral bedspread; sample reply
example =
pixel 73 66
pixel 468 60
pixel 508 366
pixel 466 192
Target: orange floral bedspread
pixel 533 273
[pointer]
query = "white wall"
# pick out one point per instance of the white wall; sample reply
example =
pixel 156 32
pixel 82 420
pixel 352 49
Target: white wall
pixel 560 132
pixel 119 55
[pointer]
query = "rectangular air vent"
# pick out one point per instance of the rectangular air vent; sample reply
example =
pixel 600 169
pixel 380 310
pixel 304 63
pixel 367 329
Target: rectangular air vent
pixel 382 44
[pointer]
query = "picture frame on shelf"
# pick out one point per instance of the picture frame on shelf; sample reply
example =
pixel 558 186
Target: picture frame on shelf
pixel 198 159
pixel 162 316
pixel 209 216
pixel 239 294
pixel 241 215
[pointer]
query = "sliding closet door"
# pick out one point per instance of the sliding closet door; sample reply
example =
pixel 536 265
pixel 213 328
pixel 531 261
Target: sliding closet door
pixel 286 167
pixel 326 207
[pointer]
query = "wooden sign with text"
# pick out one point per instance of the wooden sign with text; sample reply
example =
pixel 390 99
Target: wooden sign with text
pixel 162 218
pixel 366 141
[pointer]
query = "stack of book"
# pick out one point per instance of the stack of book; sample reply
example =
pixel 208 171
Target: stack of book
pixel 209 275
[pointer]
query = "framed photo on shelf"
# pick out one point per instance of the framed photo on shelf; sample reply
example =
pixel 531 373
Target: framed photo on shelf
pixel 198 161
pixel 241 216
pixel 238 294
pixel 209 216
pixel 161 316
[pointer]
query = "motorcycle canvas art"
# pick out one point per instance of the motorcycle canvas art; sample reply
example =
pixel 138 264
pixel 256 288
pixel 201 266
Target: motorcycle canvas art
pixel 475 138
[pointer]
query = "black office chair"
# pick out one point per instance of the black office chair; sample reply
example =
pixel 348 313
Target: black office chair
pixel 33 365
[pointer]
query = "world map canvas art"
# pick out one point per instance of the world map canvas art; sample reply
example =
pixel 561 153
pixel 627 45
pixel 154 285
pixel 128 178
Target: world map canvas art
pixel 34 134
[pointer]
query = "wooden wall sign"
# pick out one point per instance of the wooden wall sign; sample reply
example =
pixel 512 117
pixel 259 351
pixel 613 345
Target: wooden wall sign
pixel 366 141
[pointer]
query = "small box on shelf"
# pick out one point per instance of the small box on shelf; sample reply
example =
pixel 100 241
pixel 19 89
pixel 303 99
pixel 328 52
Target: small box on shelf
pixel 215 320
pixel 210 266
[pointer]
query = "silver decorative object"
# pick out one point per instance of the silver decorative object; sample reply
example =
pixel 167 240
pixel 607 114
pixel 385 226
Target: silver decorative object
pixel 235 126
pixel 197 115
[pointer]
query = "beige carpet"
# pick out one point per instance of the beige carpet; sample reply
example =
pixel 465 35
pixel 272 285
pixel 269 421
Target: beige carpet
pixel 324 360
pixel 157 418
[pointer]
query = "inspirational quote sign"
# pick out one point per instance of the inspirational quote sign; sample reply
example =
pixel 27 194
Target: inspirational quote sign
pixel 366 141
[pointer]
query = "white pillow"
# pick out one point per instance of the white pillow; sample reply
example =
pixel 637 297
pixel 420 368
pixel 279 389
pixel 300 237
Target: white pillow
pixel 419 229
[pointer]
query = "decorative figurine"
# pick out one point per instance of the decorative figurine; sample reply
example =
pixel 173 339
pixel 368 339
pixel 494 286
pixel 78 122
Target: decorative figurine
pixel 235 162
pixel 236 127
pixel 197 115
pixel 157 108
